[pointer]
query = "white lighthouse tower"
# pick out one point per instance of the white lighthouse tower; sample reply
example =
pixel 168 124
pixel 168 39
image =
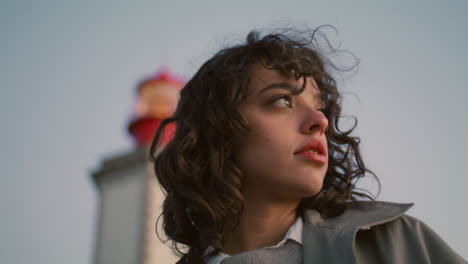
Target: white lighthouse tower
pixel 130 198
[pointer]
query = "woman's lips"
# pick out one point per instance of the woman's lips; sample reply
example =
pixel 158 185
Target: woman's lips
pixel 320 158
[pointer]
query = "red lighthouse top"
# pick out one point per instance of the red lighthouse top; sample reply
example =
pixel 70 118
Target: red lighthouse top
pixel 157 98
pixel 162 76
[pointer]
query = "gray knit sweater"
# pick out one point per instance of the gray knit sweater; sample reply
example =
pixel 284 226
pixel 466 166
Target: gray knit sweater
pixel 289 253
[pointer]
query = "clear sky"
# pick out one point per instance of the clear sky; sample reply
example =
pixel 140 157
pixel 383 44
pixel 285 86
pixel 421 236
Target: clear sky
pixel 69 69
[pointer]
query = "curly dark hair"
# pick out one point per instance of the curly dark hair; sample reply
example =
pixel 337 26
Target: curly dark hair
pixel 196 170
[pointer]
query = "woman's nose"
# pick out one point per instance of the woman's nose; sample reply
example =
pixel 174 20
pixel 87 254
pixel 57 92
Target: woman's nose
pixel 314 122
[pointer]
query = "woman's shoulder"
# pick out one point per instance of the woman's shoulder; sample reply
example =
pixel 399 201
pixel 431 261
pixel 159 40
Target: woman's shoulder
pixel 409 237
pixel 381 230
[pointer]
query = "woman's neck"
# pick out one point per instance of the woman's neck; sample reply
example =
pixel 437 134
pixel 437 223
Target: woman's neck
pixel 261 224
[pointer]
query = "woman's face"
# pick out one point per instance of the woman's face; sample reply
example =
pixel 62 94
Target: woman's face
pixel 274 157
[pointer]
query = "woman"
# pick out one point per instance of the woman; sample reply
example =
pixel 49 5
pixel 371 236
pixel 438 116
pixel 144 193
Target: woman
pixel 258 170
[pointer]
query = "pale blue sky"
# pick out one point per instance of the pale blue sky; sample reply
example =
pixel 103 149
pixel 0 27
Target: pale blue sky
pixel 69 70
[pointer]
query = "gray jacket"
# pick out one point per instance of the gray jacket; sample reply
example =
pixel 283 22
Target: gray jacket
pixel 373 232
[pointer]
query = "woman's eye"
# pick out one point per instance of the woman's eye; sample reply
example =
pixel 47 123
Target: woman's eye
pixel 284 101
pixel 322 109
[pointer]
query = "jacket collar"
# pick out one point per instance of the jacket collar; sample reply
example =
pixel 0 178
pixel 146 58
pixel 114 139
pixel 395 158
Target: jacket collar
pixel 362 214
pixel 331 240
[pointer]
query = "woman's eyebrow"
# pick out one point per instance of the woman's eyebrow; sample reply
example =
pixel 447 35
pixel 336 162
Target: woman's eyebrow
pixel 282 85
pixel 290 88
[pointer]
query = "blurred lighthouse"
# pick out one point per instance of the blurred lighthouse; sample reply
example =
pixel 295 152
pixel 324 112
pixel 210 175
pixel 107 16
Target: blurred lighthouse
pixel 130 196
